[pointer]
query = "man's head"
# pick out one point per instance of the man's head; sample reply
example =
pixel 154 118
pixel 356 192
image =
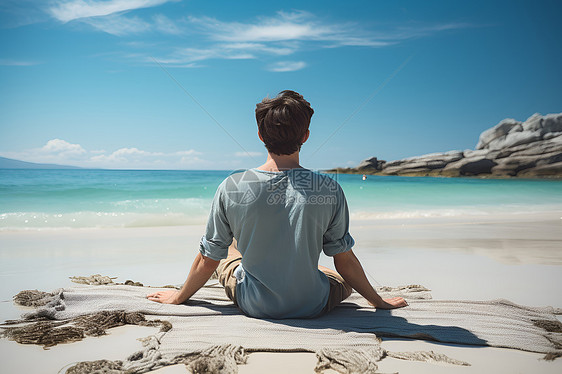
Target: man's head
pixel 283 122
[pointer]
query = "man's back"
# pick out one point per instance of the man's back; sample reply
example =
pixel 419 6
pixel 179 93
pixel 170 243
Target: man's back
pixel 282 221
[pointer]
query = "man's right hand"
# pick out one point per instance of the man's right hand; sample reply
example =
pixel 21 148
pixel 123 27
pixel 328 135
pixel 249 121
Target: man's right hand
pixel 393 303
pixel 348 265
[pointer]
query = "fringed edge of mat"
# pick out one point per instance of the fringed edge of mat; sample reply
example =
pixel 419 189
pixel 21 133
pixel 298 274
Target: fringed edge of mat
pixel 224 359
pixel 41 330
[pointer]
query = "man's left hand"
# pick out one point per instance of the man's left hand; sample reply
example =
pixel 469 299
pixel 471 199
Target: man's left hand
pixel 165 297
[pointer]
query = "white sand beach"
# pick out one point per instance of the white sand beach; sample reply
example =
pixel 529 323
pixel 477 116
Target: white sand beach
pixel 514 257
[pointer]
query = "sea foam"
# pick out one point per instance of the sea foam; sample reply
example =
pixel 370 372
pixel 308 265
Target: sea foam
pixel 38 220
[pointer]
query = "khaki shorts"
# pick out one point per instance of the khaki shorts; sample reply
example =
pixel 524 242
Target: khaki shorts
pixel 339 290
pixel 225 271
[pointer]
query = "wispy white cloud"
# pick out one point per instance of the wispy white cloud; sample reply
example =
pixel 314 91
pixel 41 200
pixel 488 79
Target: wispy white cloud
pixel 413 30
pixel 186 57
pixel 61 152
pixel 284 66
pixel 284 34
pixel 56 151
pixel 136 158
pixel 68 10
pixel 277 28
pixel 62 148
pixel 293 26
pixel 166 25
pixel 259 47
pixel 109 16
pixel 304 26
pixel 118 25
pixel 125 155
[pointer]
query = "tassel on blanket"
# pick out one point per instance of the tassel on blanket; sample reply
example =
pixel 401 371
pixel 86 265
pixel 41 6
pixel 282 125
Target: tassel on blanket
pixel 363 360
pixel 97 367
pixel 357 361
pixel 426 357
pixel 50 333
pixel 221 359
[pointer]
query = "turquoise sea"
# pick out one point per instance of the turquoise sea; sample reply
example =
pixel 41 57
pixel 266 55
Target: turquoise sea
pixel 38 199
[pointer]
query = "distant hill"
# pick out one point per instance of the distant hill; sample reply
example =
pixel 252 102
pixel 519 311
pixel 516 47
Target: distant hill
pixel 8 163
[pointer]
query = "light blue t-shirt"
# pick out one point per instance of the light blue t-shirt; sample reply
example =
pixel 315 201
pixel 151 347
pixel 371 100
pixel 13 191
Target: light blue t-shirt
pixel 282 221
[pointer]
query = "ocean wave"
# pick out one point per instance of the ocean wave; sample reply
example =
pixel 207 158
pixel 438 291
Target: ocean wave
pixel 195 205
pixel 426 213
pixel 460 211
pixel 87 219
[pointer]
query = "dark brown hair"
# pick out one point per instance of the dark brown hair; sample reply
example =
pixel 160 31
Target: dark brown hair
pixel 283 122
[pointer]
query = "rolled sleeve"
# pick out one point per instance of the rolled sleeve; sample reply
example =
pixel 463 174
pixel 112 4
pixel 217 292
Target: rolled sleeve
pixel 337 238
pixel 333 247
pixel 218 235
pixel 213 250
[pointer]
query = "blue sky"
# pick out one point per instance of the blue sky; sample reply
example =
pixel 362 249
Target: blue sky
pixel 173 84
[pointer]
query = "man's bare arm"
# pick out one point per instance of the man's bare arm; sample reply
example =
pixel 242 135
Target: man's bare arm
pixel 201 270
pixel 352 272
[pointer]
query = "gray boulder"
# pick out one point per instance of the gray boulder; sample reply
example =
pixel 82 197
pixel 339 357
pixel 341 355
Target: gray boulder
pixel 430 159
pixel 498 132
pixel 511 133
pixel 421 165
pixel 510 149
pixel 371 164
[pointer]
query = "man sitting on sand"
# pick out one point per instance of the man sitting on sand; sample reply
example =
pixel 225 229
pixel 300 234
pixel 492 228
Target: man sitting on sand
pixel 282 216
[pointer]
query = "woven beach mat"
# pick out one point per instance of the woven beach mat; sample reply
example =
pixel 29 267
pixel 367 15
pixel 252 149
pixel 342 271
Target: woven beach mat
pixel 210 335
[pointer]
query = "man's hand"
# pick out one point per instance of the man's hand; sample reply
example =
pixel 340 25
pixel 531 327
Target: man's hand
pixel 348 265
pixel 200 273
pixel 165 297
pixel 393 303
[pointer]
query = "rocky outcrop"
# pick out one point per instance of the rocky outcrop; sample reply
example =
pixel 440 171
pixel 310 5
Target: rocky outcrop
pixel 510 149
pixel 371 164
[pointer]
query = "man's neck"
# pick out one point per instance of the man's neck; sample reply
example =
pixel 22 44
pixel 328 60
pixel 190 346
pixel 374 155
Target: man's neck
pixel 281 162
